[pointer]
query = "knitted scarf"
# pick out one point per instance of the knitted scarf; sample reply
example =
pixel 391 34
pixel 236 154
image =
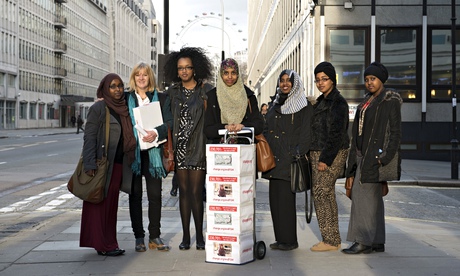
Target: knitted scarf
pixel 296 98
pixel 232 100
pixel 156 168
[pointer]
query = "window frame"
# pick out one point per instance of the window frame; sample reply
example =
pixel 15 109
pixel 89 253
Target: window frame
pixel 418 62
pixel 429 73
pixel 367 47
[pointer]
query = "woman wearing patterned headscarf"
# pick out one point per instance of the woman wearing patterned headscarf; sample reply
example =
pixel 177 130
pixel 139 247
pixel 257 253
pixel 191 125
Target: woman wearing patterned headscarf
pixel 99 221
pixel 287 130
pixel 231 105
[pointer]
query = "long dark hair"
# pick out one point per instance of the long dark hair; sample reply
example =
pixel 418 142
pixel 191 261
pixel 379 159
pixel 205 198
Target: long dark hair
pixel 201 64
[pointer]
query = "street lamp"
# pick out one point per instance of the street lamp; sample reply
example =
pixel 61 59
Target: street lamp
pixel 228 38
pixel 223 28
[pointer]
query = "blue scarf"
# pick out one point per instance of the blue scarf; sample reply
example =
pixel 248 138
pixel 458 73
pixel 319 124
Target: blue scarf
pixel 156 168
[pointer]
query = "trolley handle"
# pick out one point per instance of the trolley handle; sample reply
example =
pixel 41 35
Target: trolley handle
pixel 242 131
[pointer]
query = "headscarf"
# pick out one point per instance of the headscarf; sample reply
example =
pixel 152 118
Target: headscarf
pixel 377 69
pixel 296 99
pixel 328 69
pixel 232 100
pixel 119 106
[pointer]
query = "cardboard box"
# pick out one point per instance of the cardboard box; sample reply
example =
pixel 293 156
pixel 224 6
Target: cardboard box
pixel 229 189
pixel 230 249
pixel 148 117
pixel 230 159
pixel 230 219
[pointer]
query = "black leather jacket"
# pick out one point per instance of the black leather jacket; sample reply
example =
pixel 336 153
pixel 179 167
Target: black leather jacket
pixel 196 149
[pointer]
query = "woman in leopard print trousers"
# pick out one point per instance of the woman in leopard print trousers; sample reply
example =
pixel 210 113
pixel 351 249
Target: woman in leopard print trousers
pixel 328 154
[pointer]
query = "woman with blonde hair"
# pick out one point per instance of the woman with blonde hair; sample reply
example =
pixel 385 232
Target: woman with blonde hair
pixel 147 163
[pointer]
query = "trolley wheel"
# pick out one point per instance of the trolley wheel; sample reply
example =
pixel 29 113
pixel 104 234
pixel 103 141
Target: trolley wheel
pixel 308 205
pixel 259 250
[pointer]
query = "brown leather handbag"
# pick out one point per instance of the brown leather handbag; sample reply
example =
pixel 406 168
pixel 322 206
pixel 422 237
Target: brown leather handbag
pixel 168 154
pixel 265 158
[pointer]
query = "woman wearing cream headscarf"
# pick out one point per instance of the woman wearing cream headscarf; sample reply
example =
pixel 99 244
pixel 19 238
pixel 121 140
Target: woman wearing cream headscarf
pixel 231 105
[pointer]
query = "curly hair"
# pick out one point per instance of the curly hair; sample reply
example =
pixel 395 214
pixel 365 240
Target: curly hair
pixel 201 64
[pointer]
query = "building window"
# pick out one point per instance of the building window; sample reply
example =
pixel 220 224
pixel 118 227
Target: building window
pixel 11 80
pixel 400 51
pixel 347 51
pixel 23 110
pixel 41 111
pixel 50 110
pixel 33 111
pixel 439 86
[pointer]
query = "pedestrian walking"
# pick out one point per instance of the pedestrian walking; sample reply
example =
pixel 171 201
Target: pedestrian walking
pixel 80 124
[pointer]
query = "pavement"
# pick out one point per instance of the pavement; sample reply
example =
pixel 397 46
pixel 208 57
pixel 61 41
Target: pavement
pixel 45 241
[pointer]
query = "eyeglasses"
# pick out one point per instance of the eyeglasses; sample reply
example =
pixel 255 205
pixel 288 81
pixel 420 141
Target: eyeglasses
pixel 187 68
pixel 322 80
pixel 120 86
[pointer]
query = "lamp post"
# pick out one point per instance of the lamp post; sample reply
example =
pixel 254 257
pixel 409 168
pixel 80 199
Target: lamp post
pixel 228 38
pixel 223 27
pixel 454 141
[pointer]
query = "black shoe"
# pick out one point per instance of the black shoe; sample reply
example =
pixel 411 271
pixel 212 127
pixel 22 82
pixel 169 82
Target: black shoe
pixel 173 192
pixel 184 246
pixel 357 248
pixel 274 245
pixel 200 245
pixel 287 246
pixel 378 247
pixel 140 245
pixel 115 252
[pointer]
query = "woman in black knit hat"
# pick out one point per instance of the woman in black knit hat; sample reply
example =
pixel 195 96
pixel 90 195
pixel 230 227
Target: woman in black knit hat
pixel 374 159
pixel 328 152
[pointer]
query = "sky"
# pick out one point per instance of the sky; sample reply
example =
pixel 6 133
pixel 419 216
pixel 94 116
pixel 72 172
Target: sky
pixel 208 37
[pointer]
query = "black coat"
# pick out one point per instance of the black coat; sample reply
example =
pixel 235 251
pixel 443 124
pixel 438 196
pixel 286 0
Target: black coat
pixel 384 134
pixel 196 149
pixel 287 135
pixel 213 122
pixel 330 126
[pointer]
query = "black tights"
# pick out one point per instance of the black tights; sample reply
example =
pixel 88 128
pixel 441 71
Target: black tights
pixel 191 184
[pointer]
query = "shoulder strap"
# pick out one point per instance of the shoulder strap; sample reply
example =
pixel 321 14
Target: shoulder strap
pixel 107 127
pixel 250 108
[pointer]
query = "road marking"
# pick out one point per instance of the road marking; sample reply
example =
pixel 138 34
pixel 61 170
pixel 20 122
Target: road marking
pixel 52 141
pixel 5 149
pixel 1 163
pixel 30 145
pixel 54 154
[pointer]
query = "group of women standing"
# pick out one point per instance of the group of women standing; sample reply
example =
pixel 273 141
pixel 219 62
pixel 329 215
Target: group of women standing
pixel 294 125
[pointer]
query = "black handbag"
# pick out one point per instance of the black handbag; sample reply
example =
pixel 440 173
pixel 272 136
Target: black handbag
pixel 301 181
pixel 300 174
